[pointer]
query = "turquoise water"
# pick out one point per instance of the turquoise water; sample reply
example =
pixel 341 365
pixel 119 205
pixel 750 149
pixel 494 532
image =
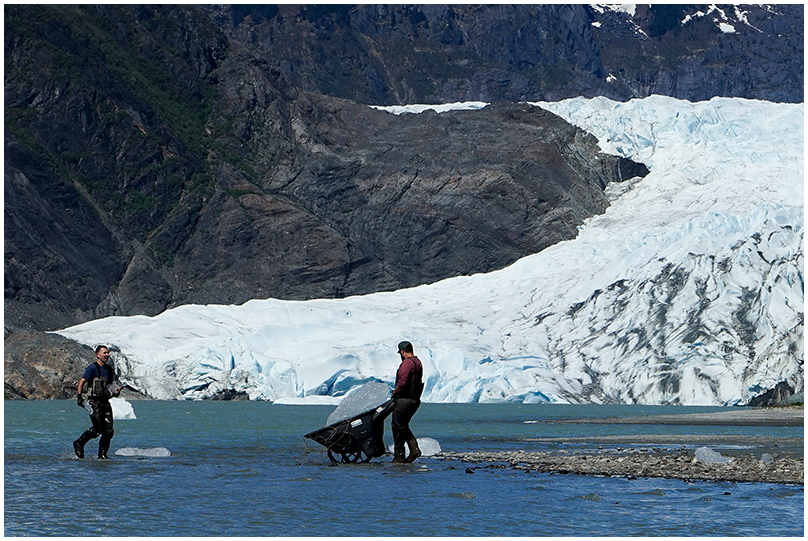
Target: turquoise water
pixel 244 469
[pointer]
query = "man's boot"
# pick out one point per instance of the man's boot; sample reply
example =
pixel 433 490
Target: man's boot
pixel 398 455
pixel 103 448
pixel 78 448
pixel 415 452
pixel 78 445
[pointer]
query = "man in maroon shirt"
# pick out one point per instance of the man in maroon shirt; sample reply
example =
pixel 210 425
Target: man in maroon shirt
pixel 407 394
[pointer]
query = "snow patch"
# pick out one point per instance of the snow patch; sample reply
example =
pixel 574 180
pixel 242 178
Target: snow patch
pixel 726 28
pixel 442 108
pixel 621 8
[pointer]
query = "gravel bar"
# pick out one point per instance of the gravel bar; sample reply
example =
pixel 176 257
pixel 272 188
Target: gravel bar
pixel 791 416
pixel 760 460
pixel 668 465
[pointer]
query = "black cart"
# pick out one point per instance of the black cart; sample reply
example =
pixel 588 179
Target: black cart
pixel 357 439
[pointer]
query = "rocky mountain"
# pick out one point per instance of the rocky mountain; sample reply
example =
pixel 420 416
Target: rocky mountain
pixel 152 161
pixel 384 54
pixel 164 155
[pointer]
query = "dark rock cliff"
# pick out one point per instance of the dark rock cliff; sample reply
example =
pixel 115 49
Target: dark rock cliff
pixel 150 162
pixel 397 54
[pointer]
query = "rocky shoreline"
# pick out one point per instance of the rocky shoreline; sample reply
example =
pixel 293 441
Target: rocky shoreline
pixel 748 459
pixel 669 465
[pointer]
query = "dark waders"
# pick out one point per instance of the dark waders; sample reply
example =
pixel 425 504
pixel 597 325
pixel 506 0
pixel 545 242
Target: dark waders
pixel 403 411
pixel 102 426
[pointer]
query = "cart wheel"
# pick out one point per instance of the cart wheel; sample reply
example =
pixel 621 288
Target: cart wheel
pixel 348 458
pixel 332 459
pixel 351 457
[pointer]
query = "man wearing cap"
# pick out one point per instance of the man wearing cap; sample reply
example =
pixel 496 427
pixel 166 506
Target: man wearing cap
pixel 407 394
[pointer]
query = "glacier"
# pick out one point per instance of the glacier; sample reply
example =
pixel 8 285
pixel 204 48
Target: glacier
pixel 687 290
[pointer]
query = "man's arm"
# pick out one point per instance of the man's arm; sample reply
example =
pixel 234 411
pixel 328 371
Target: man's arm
pixel 403 376
pixel 79 399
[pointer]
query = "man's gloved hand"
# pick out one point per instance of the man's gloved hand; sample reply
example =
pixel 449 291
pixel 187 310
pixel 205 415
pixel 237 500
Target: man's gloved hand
pixel 80 401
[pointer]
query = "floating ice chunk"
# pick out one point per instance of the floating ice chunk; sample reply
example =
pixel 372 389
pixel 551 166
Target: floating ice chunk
pixel 367 397
pixel 708 456
pixel 154 452
pixel 428 446
pixel 121 409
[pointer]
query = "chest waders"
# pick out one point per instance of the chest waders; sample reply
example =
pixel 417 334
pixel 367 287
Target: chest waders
pixel 101 419
pixel 403 412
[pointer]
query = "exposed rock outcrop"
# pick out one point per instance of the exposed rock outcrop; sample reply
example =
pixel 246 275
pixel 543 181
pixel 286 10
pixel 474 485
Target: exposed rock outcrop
pixel 184 168
pixel 41 365
pixel 782 394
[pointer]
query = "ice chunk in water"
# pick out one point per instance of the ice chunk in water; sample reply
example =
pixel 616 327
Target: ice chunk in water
pixel 708 456
pixel 367 397
pixel 155 452
pixel 121 409
pixel 428 446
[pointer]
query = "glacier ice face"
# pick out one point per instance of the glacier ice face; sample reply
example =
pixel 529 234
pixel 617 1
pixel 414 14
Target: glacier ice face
pixel 714 313
pixel 687 290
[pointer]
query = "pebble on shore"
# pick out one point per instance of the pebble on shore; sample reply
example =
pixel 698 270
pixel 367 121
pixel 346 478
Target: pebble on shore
pixel 670 465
